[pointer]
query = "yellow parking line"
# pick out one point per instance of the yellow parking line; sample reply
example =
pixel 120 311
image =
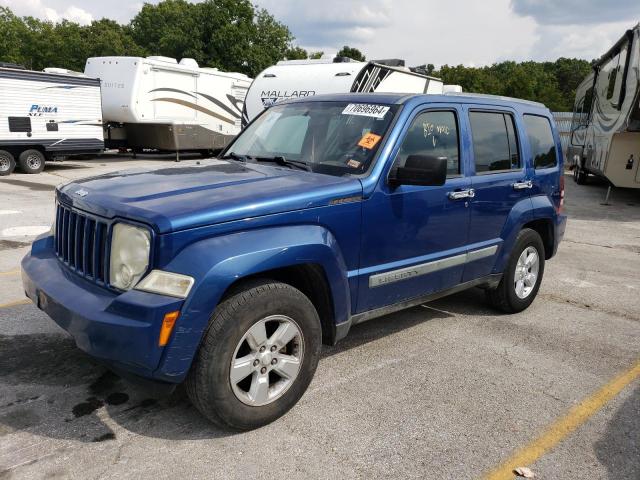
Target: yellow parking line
pixel 565 425
pixel 15 303
pixel 10 272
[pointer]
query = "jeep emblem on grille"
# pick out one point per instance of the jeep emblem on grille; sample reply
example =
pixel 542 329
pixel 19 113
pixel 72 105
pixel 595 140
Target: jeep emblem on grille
pixel 82 193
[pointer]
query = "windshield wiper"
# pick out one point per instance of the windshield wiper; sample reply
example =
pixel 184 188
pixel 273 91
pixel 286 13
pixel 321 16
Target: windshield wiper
pixel 235 156
pixel 280 160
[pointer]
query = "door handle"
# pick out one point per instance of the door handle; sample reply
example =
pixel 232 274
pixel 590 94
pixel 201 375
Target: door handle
pixel 460 194
pixel 523 185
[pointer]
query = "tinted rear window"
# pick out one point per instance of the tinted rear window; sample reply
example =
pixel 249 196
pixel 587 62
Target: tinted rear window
pixel 495 145
pixel 543 148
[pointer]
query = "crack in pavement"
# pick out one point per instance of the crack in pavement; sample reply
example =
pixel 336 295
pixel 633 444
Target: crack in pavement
pixel 628 248
pixel 586 306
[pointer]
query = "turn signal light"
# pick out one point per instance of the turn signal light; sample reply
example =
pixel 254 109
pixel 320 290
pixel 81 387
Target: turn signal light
pixel 168 323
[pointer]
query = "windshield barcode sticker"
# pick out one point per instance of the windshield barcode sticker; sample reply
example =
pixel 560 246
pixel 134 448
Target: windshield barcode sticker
pixel 366 110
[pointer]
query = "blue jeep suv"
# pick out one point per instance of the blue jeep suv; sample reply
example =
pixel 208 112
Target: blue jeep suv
pixel 229 274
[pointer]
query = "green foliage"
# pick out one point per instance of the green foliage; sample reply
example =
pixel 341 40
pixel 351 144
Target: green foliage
pixel 552 83
pixel 315 55
pixel 38 44
pixel 351 52
pixel 234 35
pixel 296 53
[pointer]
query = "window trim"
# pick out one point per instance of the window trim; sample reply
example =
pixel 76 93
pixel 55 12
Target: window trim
pixel 555 145
pixel 522 167
pixel 400 141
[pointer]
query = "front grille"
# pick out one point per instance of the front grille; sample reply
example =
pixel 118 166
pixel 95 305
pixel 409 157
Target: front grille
pixel 81 243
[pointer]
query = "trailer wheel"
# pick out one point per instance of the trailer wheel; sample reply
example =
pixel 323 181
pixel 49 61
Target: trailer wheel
pixel 7 163
pixel 31 161
pixel 580 175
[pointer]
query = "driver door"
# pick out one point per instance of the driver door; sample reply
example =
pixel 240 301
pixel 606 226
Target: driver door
pixel 414 237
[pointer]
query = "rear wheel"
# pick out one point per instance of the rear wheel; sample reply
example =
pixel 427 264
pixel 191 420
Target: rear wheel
pixel 31 161
pixel 7 163
pixel 522 276
pixel 257 357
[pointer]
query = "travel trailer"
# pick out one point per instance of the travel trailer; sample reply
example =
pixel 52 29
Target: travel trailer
pixel 605 138
pixel 162 104
pixel 303 78
pixel 44 115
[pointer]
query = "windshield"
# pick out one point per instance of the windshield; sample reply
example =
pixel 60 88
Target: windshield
pixel 335 138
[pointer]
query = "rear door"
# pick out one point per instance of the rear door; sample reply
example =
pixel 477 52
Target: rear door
pixel 546 156
pixel 500 180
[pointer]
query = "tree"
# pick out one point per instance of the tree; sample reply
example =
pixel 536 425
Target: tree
pixel 352 53
pixel 13 32
pixel 173 28
pixel 228 34
pixel 296 53
pixel 234 35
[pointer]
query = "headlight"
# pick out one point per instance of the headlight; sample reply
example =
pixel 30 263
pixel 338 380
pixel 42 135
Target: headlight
pixel 130 247
pixel 166 283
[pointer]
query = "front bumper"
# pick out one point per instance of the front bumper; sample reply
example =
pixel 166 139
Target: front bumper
pixel 119 329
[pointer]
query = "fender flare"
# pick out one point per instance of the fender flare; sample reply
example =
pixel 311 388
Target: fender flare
pixel 537 207
pixel 520 214
pixel 216 263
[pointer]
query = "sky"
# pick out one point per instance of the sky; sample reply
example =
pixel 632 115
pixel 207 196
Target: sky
pixel 469 32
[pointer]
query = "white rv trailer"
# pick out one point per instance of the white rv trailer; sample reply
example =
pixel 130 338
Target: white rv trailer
pixel 605 138
pixel 303 78
pixel 158 103
pixel 44 115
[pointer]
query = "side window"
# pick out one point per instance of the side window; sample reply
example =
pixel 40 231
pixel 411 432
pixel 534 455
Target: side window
pixel 543 148
pixel 495 144
pixel 435 134
pixel 19 124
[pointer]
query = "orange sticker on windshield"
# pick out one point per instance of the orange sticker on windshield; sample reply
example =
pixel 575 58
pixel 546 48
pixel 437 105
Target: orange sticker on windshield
pixel 369 140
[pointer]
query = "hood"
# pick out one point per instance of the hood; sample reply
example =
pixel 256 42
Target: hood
pixel 194 194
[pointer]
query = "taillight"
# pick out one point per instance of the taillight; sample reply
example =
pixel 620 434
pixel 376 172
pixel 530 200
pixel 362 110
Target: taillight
pixel 561 206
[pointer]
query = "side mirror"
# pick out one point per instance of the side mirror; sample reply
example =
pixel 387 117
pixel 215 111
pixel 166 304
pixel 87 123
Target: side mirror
pixel 420 170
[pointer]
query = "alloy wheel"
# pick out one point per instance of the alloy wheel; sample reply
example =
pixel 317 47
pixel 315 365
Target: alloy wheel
pixel 526 275
pixel 267 360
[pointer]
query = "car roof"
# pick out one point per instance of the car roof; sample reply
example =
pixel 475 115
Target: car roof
pixel 413 98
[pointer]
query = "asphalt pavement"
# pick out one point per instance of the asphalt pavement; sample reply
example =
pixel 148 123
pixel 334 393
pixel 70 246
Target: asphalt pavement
pixel 447 390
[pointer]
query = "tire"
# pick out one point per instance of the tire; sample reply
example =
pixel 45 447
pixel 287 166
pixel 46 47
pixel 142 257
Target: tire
pixel 231 401
pixel 31 161
pixel 7 163
pixel 579 175
pixel 507 296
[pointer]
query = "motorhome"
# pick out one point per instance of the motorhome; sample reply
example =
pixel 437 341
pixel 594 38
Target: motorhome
pixel 329 74
pixel 45 115
pixel 605 138
pixel 162 104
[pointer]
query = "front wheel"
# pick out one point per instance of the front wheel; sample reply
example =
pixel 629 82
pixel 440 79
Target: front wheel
pixel 522 276
pixel 257 357
pixel 31 161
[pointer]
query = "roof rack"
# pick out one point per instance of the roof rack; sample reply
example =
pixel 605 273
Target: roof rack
pixel 495 97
